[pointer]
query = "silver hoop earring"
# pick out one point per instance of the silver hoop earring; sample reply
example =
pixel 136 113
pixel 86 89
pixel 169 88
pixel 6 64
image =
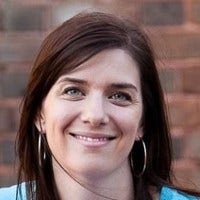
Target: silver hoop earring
pixel 144 161
pixel 40 157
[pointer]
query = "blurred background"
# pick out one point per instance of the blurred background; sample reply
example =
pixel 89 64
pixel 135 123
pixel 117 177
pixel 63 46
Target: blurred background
pixel 172 25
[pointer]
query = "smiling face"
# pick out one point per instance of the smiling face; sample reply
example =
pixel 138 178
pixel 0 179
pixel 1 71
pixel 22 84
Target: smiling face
pixel 91 116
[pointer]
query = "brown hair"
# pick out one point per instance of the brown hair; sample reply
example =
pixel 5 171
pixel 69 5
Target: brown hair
pixel 71 44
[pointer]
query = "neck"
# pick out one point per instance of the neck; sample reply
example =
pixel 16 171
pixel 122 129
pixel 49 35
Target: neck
pixel 116 186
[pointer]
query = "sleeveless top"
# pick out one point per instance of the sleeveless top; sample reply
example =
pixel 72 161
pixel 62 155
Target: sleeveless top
pixel 166 193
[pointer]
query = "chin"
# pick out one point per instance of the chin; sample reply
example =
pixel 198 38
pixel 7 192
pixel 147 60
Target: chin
pixel 91 170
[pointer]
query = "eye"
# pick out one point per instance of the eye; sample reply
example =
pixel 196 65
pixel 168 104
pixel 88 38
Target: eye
pixel 73 92
pixel 120 97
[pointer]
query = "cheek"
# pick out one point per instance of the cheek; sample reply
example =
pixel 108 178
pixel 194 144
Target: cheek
pixel 129 126
pixel 129 120
pixel 58 116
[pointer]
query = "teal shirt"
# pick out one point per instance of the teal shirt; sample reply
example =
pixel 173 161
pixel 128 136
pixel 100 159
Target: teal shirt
pixel 9 193
pixel 172 194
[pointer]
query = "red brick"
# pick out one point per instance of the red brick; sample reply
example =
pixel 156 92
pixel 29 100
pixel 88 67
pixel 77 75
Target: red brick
pixel 12 84
pixel 191 80
pixel 2 67
pixel 130 9
pixel 19 68
pixel 191 145
pixel 8 175
pixel 22 18
pixel 186 145
pixel 19 48
pixel 180 79
pixel 187 173
pixel 33 2
pixel 8 152
pixel 184 111
pixel 8 179
pixel 177 147
pixel 171 79
pixel 8 119
pixel 63 11
pixel 176 45
pixel 195 11
pixel 162 13
pixel 1 19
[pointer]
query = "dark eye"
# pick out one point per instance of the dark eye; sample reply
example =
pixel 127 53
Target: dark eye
pixel 73 92
pixel 120 96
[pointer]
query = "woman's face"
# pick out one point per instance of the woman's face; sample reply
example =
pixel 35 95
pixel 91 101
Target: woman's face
pixel 91 116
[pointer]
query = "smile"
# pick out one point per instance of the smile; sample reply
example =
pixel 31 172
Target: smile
pixel 89 139
pixel 94 141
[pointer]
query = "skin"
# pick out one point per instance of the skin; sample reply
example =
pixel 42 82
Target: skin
pixel 91 118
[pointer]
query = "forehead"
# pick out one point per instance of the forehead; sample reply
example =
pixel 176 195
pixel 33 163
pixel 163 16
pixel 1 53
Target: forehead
pixel 107 65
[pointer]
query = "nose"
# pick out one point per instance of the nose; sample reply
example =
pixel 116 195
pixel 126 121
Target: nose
pixel 94 111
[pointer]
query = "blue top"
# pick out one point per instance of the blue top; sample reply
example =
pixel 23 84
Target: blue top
pixel 9 193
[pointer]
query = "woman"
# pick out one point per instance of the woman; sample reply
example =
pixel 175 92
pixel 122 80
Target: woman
pixel 93 123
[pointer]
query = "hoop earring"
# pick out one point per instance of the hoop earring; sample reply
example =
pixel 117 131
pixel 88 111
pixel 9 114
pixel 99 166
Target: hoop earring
pixel 144 161
pixel 39 150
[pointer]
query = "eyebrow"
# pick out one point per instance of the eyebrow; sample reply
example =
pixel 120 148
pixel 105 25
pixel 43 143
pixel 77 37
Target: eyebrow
pixel 124 85
pixel 73 80
pixel 121 85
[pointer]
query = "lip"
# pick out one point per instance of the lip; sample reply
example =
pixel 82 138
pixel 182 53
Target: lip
pixel 92 139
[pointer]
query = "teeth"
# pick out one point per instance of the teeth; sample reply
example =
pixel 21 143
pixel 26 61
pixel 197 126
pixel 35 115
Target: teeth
pixel 89 139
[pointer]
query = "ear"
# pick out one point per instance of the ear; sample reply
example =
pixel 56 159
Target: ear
pixel 140 133
pixel 40 123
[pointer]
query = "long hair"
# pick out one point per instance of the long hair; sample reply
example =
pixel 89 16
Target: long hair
pixel 68 46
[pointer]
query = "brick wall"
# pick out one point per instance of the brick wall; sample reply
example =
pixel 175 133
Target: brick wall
pixel 174 27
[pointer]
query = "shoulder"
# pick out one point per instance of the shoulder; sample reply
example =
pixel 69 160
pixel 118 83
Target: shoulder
pixel 168 193
pixel 10 193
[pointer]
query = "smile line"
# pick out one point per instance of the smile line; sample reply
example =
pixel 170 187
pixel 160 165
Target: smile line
pixel 92 139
